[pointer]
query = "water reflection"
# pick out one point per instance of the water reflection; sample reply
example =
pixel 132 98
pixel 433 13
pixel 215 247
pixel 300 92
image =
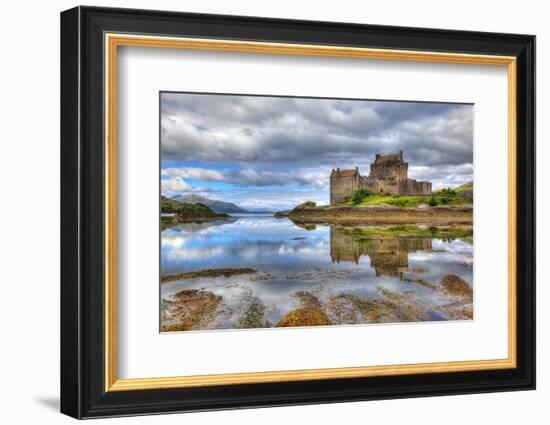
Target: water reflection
pixel 309 275
pixel 388 256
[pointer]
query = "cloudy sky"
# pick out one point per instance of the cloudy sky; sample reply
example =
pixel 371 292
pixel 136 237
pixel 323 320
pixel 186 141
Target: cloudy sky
pixel 273 153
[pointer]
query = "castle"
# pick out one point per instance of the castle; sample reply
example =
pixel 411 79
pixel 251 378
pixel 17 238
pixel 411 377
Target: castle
pixel 388 174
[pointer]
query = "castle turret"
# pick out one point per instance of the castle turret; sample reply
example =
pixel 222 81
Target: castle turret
pixel 389 166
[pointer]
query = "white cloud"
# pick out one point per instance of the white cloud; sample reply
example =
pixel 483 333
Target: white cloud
pixel 194 173
pixel 307 132
pixel 174 184
pixel 252 177
pixel 447 176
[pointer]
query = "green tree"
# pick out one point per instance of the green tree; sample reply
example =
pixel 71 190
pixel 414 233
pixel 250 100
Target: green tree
pixel 360 195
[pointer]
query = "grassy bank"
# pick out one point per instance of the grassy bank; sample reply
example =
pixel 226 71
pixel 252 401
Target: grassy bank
pixel 466 190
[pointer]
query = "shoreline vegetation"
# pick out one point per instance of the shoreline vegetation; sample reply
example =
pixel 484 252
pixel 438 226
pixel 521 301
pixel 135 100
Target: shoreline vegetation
pixel 443 207
pixel 344 215
pixel 184 212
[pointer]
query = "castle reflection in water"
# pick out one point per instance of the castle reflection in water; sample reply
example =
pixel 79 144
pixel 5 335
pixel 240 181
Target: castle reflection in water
pixel 388 256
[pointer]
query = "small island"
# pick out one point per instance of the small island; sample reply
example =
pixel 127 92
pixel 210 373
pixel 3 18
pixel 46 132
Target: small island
pixel 385 210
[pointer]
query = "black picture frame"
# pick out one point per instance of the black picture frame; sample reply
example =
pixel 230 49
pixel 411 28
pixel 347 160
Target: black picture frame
pixel 83 392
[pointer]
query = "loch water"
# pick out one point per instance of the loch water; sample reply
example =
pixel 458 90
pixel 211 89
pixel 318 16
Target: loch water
pixel 309 275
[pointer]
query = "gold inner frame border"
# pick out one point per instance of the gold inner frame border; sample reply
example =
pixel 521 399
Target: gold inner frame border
pixel 111 43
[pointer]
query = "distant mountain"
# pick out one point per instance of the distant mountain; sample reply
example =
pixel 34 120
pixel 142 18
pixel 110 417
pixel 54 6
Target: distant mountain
pixel 216 206
pixel 466 190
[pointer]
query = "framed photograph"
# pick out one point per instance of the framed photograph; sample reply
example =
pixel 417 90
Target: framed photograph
pixel 261 212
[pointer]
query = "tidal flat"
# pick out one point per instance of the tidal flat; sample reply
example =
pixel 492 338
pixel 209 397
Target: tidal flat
pixel 258 271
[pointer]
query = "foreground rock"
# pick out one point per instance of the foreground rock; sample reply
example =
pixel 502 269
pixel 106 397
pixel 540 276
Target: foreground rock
pixel 206 273
pixel 303 214
pixel 189 310
pixel 455 286
pixel 304 316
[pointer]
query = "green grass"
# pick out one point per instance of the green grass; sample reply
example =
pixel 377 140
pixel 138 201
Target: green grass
pixel 360 195
pixel 411 201
pixel 168 205
pixel 460 195
pixel 445 191
pixel 441 232
pixel 466 190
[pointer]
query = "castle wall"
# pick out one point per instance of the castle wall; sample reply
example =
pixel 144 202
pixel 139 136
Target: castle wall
pixel 413 187
pixel 342 187
pixel 372 184
pixel 384 171
pixel 389 185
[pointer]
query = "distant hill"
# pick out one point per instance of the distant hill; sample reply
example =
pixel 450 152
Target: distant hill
pixel 168 205
pixel 188 211
pixel 466 190
pixel 216 206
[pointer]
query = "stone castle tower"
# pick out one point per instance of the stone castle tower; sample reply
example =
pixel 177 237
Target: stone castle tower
pixel 388 174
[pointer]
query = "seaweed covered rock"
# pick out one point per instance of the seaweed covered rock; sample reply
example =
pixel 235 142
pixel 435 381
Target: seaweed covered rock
pixel 455 286
pixel 189 310
pixel 305 316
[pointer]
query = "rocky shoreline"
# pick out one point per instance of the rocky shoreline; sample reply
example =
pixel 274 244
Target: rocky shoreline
pixel 382 215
